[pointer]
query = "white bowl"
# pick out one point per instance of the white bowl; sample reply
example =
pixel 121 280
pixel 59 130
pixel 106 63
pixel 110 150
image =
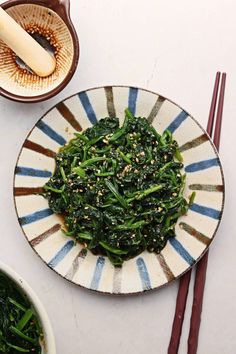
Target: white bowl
pixel 49 346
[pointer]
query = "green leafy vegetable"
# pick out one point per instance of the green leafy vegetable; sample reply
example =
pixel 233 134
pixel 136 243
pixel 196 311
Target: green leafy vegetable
pixel 120 189
pixel 20 330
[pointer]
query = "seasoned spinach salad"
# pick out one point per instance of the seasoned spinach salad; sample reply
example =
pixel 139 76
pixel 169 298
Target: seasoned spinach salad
pixel 20 330
pixel 120 189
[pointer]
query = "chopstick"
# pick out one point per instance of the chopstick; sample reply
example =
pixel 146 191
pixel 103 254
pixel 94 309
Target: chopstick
pixel 213 105
pixel 201 267
pixel 200 276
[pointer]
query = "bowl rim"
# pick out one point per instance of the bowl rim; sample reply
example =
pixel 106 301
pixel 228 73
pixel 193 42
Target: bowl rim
pixel 50 345
pixel 135 293
pixel 64 14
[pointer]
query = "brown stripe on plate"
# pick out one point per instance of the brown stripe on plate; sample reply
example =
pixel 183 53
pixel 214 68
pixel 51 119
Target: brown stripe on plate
pixel 117 281
pixel 38 148
pixel 37 240
pixel 196 234
pixel 69 116
pixel 76 264
pixel 207 187
pixel 155 109
pixel 20 191
pixel 110 102
pixel 168 273
pixel 194 143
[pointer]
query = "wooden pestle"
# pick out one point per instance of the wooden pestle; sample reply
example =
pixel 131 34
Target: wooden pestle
pixel 25 47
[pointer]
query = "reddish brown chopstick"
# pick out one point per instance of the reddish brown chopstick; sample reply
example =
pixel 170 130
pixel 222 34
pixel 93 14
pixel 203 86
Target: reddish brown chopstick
pixel 201 268
pixel 200 277
pixel 179 313
pixel 220 113
pixel 213 105
pixel 184 281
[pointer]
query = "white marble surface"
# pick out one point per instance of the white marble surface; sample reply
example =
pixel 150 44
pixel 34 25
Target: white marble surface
pixel 174 48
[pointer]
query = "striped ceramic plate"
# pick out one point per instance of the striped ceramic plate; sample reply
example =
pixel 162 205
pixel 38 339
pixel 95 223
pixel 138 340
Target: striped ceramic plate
pixel 194 232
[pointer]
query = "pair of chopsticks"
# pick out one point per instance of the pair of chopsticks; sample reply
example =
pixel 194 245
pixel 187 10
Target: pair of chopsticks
pixel 201 268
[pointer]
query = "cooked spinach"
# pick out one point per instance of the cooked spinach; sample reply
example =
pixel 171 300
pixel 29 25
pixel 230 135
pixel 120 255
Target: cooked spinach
pixel 20 330
pixel 120 189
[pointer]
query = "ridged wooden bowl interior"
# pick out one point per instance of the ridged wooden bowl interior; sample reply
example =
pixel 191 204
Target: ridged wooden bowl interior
pixel 43 21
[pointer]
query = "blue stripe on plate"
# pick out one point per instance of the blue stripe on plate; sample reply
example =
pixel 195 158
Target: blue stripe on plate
pixel 210 212
pixel 143 273
pixel 38 215
pixel 61 254
pixel 97 273
pixel 202 165
pixel 87 107
pixel 181 251
pixel 177 121
pixel 46 129
pixel 133 94
pixel 27 171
